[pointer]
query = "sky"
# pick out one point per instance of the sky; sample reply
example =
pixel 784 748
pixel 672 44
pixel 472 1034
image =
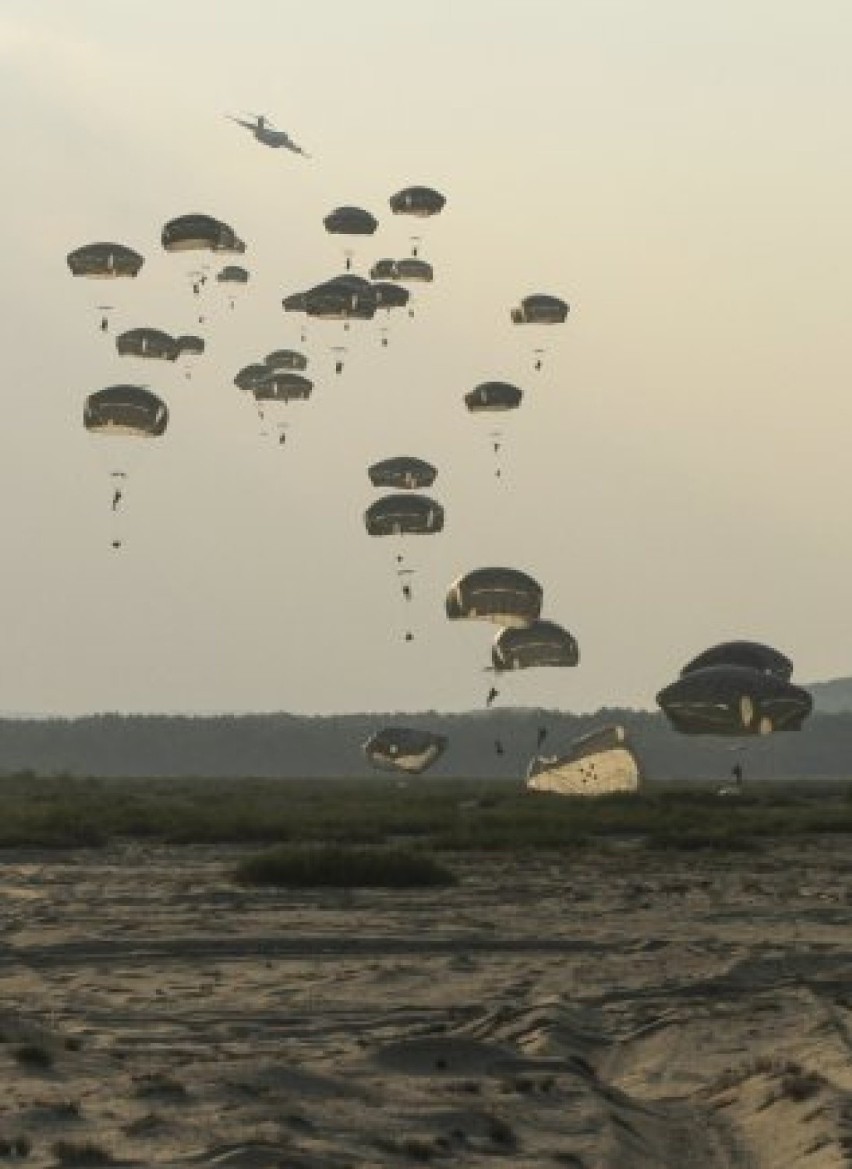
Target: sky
pixel 677 474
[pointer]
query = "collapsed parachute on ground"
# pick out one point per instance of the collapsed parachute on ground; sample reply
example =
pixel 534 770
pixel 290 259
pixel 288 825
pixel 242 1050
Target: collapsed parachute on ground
pixel 125 410
pixel 750 654
pixel 404 749
pixel 404 515
pixel 505 596
pixel 541 643
pixel 596 764
pixel 403 472
pixel 233 274
pixel 540 309
pixel 104 260
pixel 285 359
pixel 734 700
pixel 152 344
pixel 197 232
pixel 420 201
pixel 493 397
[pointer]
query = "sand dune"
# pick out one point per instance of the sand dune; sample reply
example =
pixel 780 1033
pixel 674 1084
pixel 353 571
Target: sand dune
pixel 621 1010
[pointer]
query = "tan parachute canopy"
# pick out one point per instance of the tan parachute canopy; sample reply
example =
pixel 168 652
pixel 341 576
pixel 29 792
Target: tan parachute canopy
pixel 597 764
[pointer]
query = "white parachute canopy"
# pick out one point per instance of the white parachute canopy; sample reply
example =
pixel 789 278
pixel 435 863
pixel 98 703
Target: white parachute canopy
pixel 596 764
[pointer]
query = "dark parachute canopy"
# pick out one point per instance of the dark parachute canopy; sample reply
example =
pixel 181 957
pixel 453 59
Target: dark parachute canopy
pixel 505 596
pixel 383 270
pixel 197 232
pixel 341 298
pixel 404 514
pixel 404 472
pixel 350 221
pixel 153 344
pixel 404 749
pixel 390 296
pixel 233 274
pixel 413 270
pixel 188 343
pixel 285 359
pixel 492 397
pixel 125 410
pixel 750 654
pixel 594 765
pixel 251 376
pixel 540 309
pixel 104 260
pixel 734 700
pixel 419 201
pixel 282 386
pixel 541 643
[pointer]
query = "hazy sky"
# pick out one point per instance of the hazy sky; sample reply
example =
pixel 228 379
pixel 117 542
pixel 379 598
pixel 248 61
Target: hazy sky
pixel 678 473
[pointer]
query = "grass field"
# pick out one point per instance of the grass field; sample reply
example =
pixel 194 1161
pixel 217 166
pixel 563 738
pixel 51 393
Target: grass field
pixel 434 814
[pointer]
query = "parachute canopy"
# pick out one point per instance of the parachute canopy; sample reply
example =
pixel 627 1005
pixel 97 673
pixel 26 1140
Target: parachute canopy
pixel 493 397
pixel 148 343
pixel 541 643
pixel 342 298
pixel 282 386
pixel 402 473
pixel 419 201
pixel 233 274
pixel 502 595
pixel 125 410
pixel 743 653
pixel 414 270
pixel 104 260
pixel 188 343
pixel 404 514
pixel 734 700
pixel 199 232
pixel 383 270
pixel 389 295
pixel 540 309
pixel 594 765
pixel 350 221
pixel 251 376
pixel 285 359
pixel 404 749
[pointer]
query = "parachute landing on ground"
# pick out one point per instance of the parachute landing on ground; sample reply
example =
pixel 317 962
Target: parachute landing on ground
pixel 404 749
pixel 597 764
pixel 734 700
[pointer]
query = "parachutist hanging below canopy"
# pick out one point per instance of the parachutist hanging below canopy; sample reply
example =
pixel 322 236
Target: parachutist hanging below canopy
pixel 105 261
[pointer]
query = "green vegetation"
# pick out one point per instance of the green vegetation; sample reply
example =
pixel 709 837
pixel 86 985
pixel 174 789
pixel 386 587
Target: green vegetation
pixel 443 815
pixel 335 866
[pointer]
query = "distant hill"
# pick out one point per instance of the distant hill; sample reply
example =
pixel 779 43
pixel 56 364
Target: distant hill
pixel 833 697
pixel 285 745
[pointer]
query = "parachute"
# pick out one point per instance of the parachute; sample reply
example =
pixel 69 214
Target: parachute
pixel 251 376
pixel 541 643
pixel 233 274
pixel 197 232
pixel 493 397
pixel 418 271
pixel 189 344
pixel 286 359
pixel 282 386
pixel 751 654
pixel 404 514
pixel 350 221
pixel 383 270
pixel 342 298
pixel 420 201
pixel 105 260
pixel 125 410
pixel 402 473
pixel 734 700
pixel 505 596
pixel 152 344
pixel 540 309
pixel 404 749
pixel 390 296
pixel 597 764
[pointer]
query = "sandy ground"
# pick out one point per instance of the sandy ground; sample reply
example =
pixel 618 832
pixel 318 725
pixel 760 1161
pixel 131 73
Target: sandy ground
pixel 622 1010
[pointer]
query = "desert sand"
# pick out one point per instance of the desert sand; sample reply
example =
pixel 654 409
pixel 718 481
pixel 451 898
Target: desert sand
pixel 613 1009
